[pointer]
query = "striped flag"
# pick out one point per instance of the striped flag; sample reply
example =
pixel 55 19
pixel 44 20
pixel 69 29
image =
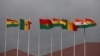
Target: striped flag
pixel 84 23
pixel 80 23
pixel 45 23
pixel 12 23
pixel 25 24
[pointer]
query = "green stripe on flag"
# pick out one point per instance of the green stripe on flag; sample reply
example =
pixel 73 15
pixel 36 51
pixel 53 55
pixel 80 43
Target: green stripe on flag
pixel 21 24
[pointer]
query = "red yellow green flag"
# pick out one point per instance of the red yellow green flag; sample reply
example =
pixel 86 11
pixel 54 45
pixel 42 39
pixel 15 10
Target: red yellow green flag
pixel 12 23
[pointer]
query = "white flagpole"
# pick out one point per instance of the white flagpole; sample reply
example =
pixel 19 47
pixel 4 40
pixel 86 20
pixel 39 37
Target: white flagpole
pixel 61 45
pixel 5 42
pixel 84 43
pixel 38 43
pixel 74 45
pixel 51 43
pixel 18 42
pixel 29 40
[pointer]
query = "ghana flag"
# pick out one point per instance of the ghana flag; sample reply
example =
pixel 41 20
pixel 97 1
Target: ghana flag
pixel 25 24
pixel 45 23
pixel 11 23
pixel 58 22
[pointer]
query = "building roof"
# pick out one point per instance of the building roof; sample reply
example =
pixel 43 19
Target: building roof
pixel 92 49
pixel 13 53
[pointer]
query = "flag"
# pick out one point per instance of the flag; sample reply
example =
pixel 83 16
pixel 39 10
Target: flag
pixel 11 23
pixel 69 25
pixel 25 24
pixel 58 22
pixel 80 23
pixel 45 23
pixel 84 23
pixel 90 22
pixel 65 24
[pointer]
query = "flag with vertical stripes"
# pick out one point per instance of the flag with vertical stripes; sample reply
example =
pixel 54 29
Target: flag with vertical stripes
pixel 69 25
pixel 25 24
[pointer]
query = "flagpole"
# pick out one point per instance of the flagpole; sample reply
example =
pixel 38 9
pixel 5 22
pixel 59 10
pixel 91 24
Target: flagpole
pixel 74 45
pixel 61 45
pixel 29 40
pixel 38 43
pixel 84 42
pixel 18 42
pixel 51 43
pixel 5 48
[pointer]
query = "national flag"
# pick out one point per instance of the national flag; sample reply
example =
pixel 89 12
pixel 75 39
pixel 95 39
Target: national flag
pixel 11 23
pixel 69 25
pixel 58 22
pixel 45 23
pixel 80 23
pixel 90 22
pixel 25 24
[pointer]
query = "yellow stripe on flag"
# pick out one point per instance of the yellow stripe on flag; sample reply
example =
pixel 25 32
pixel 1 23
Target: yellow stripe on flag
pixel 70 25
pixel 11 22
pixel 26 26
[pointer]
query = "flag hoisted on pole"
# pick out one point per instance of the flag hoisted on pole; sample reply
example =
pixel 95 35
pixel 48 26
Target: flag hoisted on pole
pixel 84 23
pixel 25 25
pixel 10 23
pixel 44 24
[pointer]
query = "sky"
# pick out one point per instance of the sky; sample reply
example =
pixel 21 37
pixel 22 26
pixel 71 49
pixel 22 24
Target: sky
pixel 35 9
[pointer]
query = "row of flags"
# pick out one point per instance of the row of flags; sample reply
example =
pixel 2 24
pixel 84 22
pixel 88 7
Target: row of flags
pixel 49 24
pixel 66 24
pixel 24 23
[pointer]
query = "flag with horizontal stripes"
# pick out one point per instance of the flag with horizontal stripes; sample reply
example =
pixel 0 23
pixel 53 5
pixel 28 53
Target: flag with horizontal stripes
pixel 80 23
pixel 84 23
pixel 45 23
pixel 12 23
